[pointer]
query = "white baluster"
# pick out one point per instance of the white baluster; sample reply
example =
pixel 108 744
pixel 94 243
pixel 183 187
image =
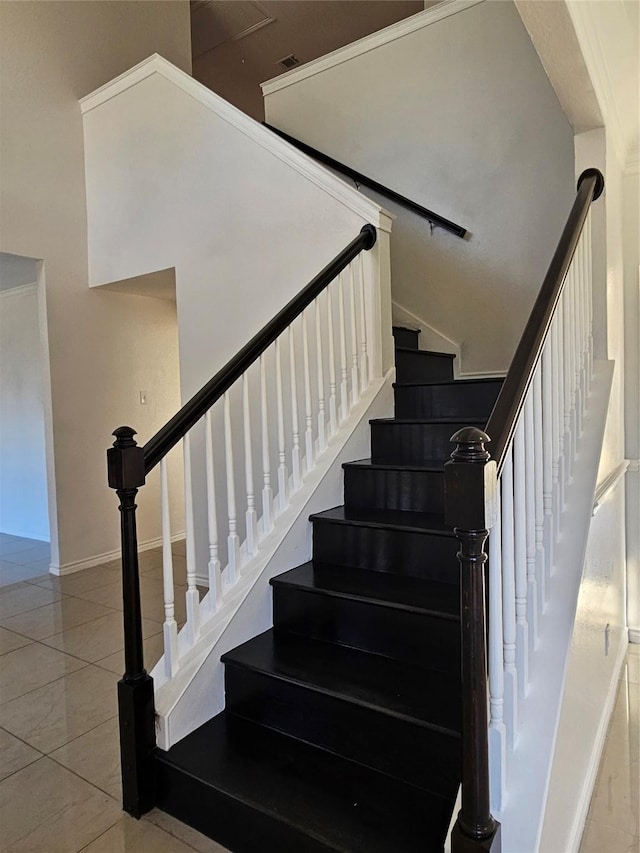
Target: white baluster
pixel 530 504
pixel 589 289
pixel 251 514
pixel 584 333
pixel 497 730
pixel 538 462
pixel 322 437
pixel 355 391
pixel 364 358
pixel 267 491
pixel 577 324
pixel 566 361
pixel 233 540
pixel 344 392
pixel 308 433
pixel 192 596
pixel 295 429
pixel 509 601
pixel 333 414
pixel 215 576
pixel 170 626
pixel 520 540
pixel 283 500
pixel 547 454
pixel 560 358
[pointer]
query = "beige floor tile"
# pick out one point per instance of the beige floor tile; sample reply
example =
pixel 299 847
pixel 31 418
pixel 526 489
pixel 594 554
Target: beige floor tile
pixel 185 833
pixel 30 555
pixel 81 581
pixel 631 670
pixel 9 641
pixel 616 799
pixel 111 595
pixel 14 755
pixel 53 715
pixel 97 639
pixel 60 616
pixel 132 836
pixel 599 838
pixel 95 756
pixel 27 597
pixel 153 649
pixel 634 649
pixel 11 574
pixel 45 807
pixel 31 667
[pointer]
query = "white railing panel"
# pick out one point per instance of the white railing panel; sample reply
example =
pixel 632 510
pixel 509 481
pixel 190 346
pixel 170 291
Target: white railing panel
pixel 170 626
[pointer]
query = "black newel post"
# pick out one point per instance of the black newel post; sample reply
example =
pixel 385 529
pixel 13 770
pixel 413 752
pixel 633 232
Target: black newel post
pixel 469 479
pixel 125 463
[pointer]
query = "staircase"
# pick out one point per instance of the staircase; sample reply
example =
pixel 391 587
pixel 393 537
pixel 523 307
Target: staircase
pixel 342 723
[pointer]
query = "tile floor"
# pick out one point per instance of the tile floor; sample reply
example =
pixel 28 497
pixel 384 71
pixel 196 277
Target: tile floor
pixel 60 658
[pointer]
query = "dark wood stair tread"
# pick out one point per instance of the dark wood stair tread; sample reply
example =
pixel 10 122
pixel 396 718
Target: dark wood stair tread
pixel 318 800
pixel 426 352
pixel 400 591
pixel 419 383
pixel 416 522
pixel 369 464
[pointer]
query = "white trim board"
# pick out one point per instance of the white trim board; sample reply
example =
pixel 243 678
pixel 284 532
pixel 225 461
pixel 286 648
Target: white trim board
pixel 108 556
pixel 21 290
pixel 267 139
pixel 634 635
pixel 370 42
pixel 609 483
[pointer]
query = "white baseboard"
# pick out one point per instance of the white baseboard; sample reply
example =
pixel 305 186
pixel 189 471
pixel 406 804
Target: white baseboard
pixel 481 374
pixel 634 635
pixel 98 559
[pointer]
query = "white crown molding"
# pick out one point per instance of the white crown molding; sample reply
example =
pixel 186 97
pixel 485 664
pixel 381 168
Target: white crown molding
pixel 267 139
pixel 22 290
pixel 594 57
pixel 370 42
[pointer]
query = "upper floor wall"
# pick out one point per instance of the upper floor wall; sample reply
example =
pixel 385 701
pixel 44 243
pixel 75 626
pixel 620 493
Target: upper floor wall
pixel 451 108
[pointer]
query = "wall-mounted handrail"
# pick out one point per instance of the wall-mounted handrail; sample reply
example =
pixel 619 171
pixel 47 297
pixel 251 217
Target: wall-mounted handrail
pixel 434 218
pixel 200 403
pixel 503 418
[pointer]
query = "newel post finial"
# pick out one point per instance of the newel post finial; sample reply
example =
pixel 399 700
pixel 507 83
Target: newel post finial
pixel 469 478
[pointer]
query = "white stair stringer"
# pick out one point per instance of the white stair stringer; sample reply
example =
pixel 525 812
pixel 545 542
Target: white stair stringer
pixel 529 764
pixel 196 691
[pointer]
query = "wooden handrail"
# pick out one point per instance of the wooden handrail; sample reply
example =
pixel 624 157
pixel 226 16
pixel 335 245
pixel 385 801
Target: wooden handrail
pixel 434 218
pixel 504 416
pixel 180 424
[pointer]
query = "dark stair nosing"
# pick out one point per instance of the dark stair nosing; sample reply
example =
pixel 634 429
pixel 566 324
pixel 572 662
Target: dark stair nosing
pixel 371 465
pixel 377 588
pixel 414 522
pixel 263 653
pixel 276 793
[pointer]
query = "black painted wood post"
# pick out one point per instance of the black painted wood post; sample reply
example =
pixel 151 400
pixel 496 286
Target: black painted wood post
pixel 125 463
pixel 469 484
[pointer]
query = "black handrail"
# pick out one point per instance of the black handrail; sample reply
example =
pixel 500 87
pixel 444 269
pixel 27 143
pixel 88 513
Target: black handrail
pixel 504 417
pixel 200 403
pixel 434 218
pixel 128 465
pixel 468 512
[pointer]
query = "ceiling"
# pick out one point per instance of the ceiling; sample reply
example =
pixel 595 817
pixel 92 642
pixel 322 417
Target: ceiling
pixel 238 44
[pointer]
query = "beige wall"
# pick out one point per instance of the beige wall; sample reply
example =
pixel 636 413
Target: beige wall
pixel 104 347
pixel 459 116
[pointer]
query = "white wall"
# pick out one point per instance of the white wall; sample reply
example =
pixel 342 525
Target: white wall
pixel 23 479
pixel 460 117
pixel 51 54
pixel 244 229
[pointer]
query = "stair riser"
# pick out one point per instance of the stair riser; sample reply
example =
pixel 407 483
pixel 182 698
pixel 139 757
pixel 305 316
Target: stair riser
pixel 413 443
pixel 417 491
pixel 382 549
pixel 458 400
pixel 420 366
pixel 393 632
pixel 232 823
pixel 405 338
pixel 373 738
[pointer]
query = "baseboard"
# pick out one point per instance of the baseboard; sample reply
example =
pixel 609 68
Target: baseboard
pixel 634 635
pixel 588 786
pixel 481 374
pixel 22 534
pixel 98 559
